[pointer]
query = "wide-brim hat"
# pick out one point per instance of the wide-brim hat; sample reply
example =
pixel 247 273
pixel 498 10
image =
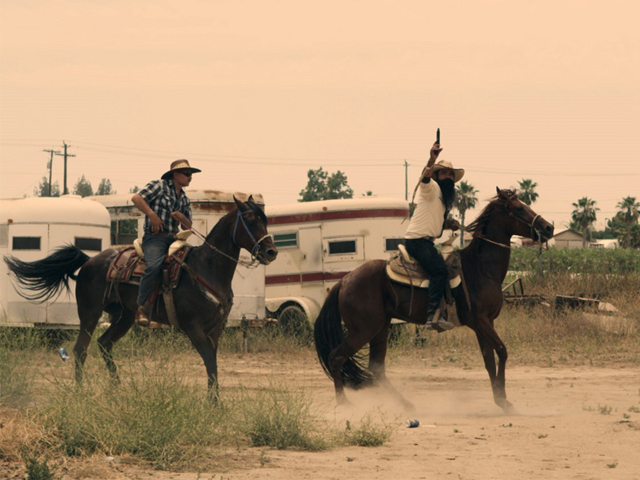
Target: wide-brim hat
pixel 458 173
pixel 179 165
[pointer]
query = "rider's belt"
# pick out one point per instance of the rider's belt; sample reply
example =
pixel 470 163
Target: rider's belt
pixel 162 234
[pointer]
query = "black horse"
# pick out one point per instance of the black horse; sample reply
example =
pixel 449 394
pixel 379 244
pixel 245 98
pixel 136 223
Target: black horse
pixel 366 300
pixel 202 298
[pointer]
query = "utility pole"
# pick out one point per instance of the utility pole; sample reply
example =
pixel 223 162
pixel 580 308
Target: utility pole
pixel 406 181
pixel 65 154
pixel 52 152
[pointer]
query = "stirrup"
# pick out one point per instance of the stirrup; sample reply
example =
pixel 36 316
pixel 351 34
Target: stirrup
pixel 438 323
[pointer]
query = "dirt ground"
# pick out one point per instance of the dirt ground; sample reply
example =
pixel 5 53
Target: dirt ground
pixel 570 423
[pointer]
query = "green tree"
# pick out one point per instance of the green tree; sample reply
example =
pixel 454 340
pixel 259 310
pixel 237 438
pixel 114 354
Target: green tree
pixel 526 191
pixel 105 188
pixel 42 190
pixel 322 186
pixel 584 216
pixel 629 212
pixel 465 199
pixel 83 187
pixel 134 189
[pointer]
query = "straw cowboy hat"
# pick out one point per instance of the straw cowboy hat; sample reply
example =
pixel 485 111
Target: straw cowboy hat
pixel 179 165
pixel 442 164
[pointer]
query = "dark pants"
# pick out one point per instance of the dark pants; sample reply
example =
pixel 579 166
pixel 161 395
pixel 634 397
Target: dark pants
pixel 155 248
pixel 425 253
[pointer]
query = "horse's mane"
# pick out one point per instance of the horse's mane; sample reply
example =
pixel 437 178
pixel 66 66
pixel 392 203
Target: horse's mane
pixel 496 202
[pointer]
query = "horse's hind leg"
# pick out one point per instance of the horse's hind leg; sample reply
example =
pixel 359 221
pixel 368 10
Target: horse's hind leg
pixel 489 342
pixel 118 329
pixel 377 353
pixel 89 318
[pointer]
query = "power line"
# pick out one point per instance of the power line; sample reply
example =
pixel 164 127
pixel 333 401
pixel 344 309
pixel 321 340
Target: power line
pixel 326 162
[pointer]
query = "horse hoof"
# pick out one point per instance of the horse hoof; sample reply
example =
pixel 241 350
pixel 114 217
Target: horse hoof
pixel 508 408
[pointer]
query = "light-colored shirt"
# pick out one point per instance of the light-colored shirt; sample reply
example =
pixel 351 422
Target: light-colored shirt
pixel 429 215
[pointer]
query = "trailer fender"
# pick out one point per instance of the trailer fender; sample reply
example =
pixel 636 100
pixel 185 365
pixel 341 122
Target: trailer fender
pixel 275 306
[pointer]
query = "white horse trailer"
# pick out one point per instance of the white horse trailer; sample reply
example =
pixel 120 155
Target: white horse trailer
pixel 207 207
pixel 31 229
pixel 320 242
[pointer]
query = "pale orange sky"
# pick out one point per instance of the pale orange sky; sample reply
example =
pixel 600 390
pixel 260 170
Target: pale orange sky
pixel 256 93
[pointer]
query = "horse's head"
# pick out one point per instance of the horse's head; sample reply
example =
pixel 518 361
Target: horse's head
pixel 527 223
pixel 250 231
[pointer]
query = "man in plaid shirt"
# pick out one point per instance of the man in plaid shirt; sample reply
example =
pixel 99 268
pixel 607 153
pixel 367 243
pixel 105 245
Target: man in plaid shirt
pixel 162 201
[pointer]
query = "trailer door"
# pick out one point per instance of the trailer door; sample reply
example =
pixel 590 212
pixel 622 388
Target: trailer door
pixel 311 249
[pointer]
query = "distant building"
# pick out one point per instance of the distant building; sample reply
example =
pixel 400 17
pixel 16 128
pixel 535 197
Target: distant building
pixel 608 243
pixel 570 239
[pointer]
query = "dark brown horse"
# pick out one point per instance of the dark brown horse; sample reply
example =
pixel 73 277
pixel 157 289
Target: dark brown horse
pixel 366 300
pixel 202 298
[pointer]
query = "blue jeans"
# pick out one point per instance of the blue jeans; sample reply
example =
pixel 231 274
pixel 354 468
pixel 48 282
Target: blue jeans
pixel 427 255
pixel 155 248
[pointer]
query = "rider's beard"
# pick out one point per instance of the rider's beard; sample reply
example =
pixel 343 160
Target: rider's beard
pixel 448 189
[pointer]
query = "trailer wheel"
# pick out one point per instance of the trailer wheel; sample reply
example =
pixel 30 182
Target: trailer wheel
pixel 294 322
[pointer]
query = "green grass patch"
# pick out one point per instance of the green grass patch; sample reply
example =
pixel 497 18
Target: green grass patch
pixel 367 432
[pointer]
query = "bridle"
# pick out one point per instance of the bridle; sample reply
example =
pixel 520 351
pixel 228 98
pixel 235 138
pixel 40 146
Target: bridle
pixel 511 214
pixel 256 243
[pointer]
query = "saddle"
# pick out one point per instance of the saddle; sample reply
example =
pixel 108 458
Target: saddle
pixel 403 268
pixel 128 265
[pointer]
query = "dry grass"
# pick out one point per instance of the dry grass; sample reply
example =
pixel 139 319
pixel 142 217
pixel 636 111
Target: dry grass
pixel 160 415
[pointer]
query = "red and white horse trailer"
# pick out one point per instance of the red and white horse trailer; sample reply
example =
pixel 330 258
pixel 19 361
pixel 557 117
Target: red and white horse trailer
pixel 320 242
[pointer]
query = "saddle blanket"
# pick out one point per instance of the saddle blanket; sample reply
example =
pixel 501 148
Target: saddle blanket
pixel 128 267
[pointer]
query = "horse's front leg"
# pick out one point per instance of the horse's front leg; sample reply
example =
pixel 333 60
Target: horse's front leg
pixel 490 342
pixel 207 347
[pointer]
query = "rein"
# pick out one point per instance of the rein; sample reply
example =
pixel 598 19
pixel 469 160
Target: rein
pixel 256 244
pixel 530 225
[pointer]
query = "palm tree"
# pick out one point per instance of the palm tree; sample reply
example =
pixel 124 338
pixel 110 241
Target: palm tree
pixel 584 215
pixel 464 200
pixel 629 212
pixel 526 191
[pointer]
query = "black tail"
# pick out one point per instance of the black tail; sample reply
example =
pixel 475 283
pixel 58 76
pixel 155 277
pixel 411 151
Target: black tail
pixel 328 335
pixel 45 277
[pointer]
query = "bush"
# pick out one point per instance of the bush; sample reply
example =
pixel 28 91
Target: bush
pixel 277 417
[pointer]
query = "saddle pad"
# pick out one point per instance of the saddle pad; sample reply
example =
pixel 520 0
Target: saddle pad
pixel 128 267
pixel 401 271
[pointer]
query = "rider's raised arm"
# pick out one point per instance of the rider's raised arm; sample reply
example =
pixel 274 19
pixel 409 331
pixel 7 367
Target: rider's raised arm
pixel 433 156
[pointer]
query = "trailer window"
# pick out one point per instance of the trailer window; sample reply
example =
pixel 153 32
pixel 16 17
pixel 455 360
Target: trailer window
pixel 124 232
pixel 4 235
pixel 26 243
pixel 283 240
pixel 85 243
pixel 342 247
pixel 391 244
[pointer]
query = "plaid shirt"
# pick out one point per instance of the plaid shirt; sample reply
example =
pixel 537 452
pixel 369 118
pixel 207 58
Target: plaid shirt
pixel 162 198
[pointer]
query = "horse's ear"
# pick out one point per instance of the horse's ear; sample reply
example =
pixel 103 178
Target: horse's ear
pixel 238 202
pixel 499 191
pixel 250 200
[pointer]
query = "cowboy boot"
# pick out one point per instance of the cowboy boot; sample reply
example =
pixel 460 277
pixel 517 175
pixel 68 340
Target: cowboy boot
pixel 143 315
pixel 435 321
